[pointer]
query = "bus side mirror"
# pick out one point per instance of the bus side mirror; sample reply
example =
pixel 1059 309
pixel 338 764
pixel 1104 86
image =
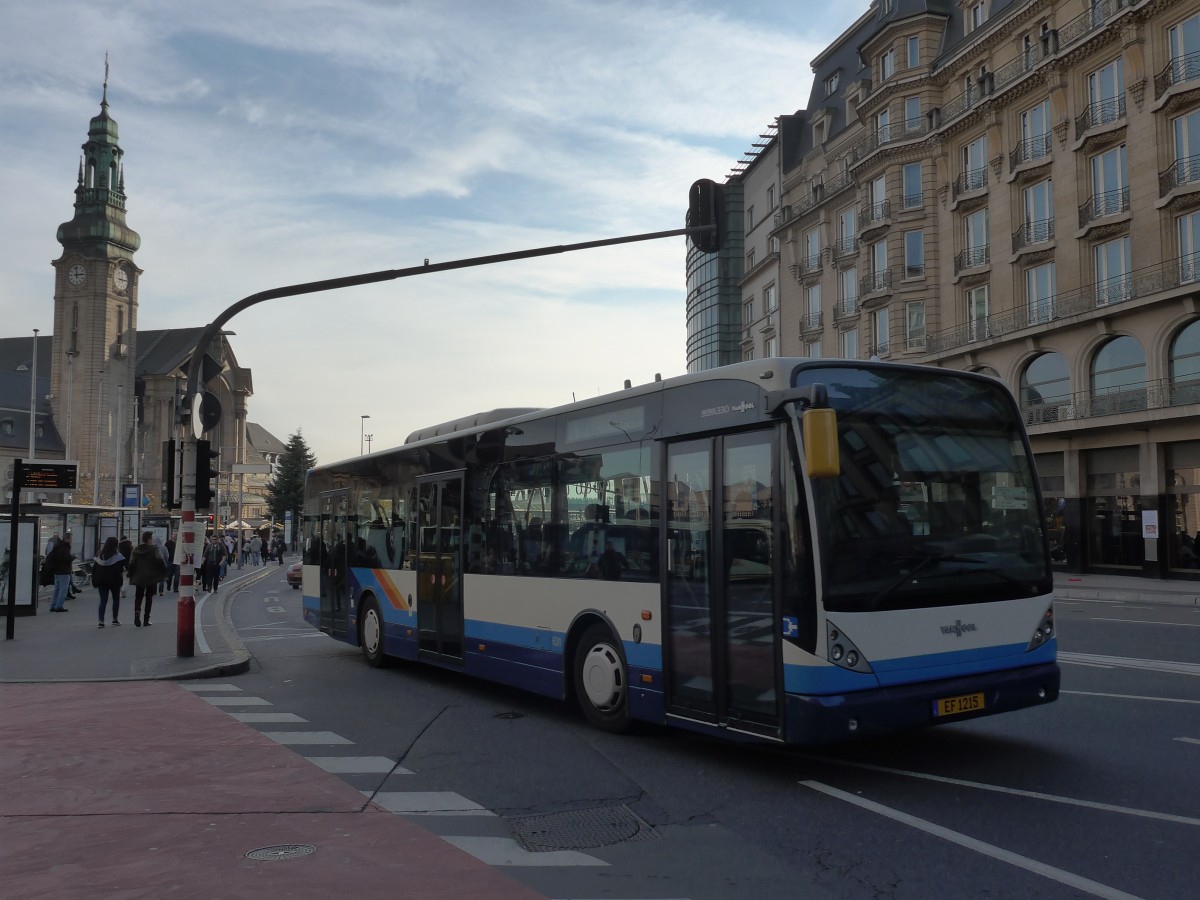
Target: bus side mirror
pixel 819 430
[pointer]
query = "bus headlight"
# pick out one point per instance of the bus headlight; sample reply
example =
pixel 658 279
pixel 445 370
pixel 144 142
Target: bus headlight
pixel 1044 632
pixel 840 650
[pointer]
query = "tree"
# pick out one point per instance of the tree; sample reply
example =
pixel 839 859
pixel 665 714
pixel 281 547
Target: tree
pixel 286 490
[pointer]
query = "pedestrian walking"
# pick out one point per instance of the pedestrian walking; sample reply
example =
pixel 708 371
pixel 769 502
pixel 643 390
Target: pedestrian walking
pixel 211 561
pixel 108 573
pixel 256 550
pixel 58 563
pixel 146 570
pixel 171 582
pixel 279 548
pixel 125 548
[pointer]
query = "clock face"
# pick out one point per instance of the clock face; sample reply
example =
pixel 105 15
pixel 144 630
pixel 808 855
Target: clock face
pixel 121 279
pixel 76 274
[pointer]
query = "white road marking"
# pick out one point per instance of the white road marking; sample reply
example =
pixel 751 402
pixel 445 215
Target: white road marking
pixel 1130 697
pixel 201 641
pixel 1018 792
pixel 502 851
pixel 358 765
pixel 238 701
pixel 1188 740
pixel 267 717
pixel 285 637
pixel 427 803
pixel 326 738
pixel 1147 622
pixel 1150 665
pixel 999 853
pixel 205 686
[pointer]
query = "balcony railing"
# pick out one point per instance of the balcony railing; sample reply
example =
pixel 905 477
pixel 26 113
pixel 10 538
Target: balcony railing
pixel 1033 233
pixel 845 309
pixel 1098 206
pixel 915 342
pixel 838 183
pixel 1111 109
pixel 810 264
pixel 1030 149
pixel 1180 69
pixel 889 134
pixel 1160 393
pixel 1091 20
pixel 1182 171
pixel 914 201
pixel 873 282
pixel 874 213
pixel 1131 286
pixel 811 321
pixel 971 180
pixel 972 257
pixel 847 246
pixel 881 349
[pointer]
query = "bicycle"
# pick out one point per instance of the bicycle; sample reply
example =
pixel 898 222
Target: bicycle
pixel 81 574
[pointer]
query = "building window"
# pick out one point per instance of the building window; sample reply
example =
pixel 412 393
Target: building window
pixel 976 239
pixel 748 313
pixel 771 347
pixel 879 277
pixel 749 219
pixel 1046 381
pixel 1186 168
pixel 879 332
pixel 914 51
pixel 749 260
pixel 850 289
pixel 774 245
pixel 887 64
pixel 883 126
pixel 974 176
pixel 914 254
pixel 6 427
pixel 913 195
pixel 812 250
pixel 1112 271
pixel 914 122
pixel 1038 224
pixel 849 343
pixel 1185 367
pixel 1119 377
pixel 812 302
pixel 1035 133
pixel 1184 39
pixel 977 313
pixel 1039 293
pixel 831 83
pixel 914 324
pixel 1106 94
pixel 1189 247
pixel 1110 185
pixel 813 349
pixel 975 17
pixel 771 196
pixel 769 302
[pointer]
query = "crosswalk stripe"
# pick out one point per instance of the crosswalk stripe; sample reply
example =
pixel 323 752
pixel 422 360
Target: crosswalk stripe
pixel 427 803
pixel 278 717
pixel 205 686
pixel 358 765
pixel 306 737
pixel 236 701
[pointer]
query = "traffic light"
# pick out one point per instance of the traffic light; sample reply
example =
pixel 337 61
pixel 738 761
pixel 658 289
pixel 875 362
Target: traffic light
pixel 706 209
pixel 170 475
pixel 206 474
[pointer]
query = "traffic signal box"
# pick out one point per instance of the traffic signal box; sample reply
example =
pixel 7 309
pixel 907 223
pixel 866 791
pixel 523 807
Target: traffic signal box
pixel 206 474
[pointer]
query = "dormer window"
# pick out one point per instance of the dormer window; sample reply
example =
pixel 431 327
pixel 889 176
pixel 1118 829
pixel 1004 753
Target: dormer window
pixel 6 427
pixel 976 15
pixel 831 83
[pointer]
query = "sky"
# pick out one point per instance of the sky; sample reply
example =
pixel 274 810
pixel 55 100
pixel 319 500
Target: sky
pixel 271 143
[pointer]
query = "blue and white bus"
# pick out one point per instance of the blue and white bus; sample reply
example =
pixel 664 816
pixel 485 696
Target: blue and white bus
pixel 788 550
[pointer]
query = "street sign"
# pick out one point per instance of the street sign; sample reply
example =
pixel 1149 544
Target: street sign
pixel 251 468
pixel 38 475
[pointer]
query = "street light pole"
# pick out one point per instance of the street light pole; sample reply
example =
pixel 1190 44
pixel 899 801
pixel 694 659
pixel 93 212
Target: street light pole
pixel 370 437
pixel 362 427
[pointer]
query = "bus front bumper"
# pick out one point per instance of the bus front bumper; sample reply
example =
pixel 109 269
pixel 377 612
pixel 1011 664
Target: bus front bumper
pixel 819 719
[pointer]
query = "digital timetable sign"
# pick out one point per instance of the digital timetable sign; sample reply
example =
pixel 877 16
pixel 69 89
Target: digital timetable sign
pixel 49 476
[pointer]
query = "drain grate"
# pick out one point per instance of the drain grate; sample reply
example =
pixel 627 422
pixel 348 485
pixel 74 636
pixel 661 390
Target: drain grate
pixel 579 829
pixel 282 851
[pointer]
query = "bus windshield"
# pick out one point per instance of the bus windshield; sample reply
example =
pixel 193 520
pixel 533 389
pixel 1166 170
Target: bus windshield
pixel 936 503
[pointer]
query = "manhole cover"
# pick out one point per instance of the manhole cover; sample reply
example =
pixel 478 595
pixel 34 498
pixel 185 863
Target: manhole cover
pixel 282 851
pixel 581 828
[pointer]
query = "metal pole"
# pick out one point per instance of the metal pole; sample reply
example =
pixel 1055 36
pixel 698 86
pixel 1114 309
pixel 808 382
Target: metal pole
pixel 185 550
pixel 118 433
pixel 362 427
pixel 33 399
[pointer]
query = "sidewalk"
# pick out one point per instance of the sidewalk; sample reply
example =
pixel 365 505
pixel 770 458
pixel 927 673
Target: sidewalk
pixel 1119 589
pixel 69 647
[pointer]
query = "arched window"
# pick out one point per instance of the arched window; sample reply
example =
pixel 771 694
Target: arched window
pixel 1046 380
pixel 1119 377
pixel 1185 365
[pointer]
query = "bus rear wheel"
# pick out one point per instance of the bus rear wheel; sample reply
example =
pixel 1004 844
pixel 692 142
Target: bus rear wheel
pixel 370 632
pixel 602 680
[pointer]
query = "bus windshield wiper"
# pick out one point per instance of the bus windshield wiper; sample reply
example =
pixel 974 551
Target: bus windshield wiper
pixel 923 561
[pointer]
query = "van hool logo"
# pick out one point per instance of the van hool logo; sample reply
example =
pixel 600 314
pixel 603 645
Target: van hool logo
pixel 726 409
pixel 959 628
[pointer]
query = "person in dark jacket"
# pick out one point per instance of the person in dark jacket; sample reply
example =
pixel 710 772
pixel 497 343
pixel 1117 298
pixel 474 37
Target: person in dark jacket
pixel 108 574
pixel 146 570
pixel 59 561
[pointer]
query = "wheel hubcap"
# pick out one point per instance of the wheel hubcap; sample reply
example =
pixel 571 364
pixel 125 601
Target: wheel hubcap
pixel 371 632
pixel 603 677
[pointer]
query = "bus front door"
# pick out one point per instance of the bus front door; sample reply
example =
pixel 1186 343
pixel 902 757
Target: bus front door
pixel 722 646
pixel 439 566
pixel 335 598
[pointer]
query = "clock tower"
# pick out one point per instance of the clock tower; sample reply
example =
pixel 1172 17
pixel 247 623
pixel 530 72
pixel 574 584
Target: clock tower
pixel 95 318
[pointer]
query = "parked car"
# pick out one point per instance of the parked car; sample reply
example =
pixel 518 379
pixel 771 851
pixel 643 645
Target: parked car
pixel 295 575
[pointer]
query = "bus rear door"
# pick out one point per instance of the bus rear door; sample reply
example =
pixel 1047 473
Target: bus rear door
pixel 335 598
pixel 722 646
pixel 439 565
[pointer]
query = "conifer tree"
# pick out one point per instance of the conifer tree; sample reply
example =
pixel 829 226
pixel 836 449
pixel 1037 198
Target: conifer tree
pixel 286 490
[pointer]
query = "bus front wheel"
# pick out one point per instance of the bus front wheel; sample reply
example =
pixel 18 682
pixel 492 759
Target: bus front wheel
pixel 601 680
pixel 371 633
